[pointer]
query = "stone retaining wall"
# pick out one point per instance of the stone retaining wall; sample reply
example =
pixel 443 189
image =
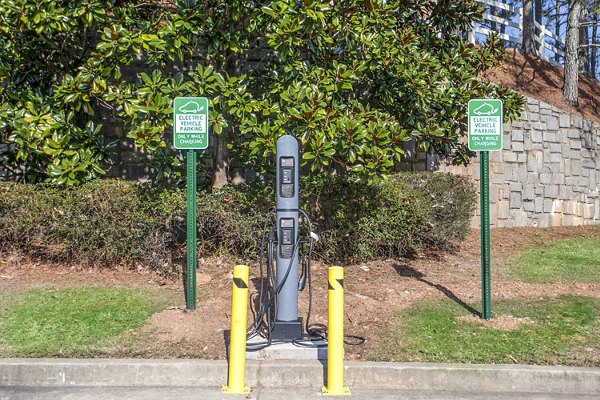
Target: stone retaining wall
pixel 546 174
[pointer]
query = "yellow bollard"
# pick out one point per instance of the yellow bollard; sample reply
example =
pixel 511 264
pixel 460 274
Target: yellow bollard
pixel 335 334
pixel 237 342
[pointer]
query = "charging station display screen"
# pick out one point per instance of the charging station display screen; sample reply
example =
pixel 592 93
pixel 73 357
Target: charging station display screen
pixel 286 177
pixel 286 239
pixel 287 161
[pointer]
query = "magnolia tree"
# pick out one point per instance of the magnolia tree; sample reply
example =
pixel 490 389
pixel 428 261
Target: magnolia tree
pixel 352 80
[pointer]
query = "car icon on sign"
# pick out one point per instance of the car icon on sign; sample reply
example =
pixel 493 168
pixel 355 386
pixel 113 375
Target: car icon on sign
pixel 191 107
pixel 485 109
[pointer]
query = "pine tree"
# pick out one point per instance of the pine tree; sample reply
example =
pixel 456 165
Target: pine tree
pixel 529 46
pixel 571 82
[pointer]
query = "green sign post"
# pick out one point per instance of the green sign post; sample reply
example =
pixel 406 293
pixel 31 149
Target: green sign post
pixel 485 135
pixel 190 133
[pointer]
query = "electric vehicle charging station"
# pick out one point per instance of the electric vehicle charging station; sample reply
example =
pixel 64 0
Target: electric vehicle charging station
pixel 285 257
pixel 287 326
pixel 277 318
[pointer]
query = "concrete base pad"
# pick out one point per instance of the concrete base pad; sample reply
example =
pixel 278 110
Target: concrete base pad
pixel 300 350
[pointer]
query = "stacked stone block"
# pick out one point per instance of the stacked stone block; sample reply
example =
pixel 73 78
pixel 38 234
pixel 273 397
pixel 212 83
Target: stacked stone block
pixel 546 173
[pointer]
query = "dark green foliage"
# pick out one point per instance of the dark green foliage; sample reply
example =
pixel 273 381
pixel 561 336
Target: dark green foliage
pixel 111 222
pixel 47 98
pixel 352 80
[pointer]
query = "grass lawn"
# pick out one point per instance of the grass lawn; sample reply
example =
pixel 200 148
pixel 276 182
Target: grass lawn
pixel 572 260
pixel 562 330
pixel 71 322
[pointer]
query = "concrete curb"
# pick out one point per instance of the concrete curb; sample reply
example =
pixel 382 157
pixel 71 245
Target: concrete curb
pixel 301 374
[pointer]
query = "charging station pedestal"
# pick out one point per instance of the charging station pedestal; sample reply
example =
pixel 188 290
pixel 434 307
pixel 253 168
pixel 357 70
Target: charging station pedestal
pixel 287 326
pixel 277 316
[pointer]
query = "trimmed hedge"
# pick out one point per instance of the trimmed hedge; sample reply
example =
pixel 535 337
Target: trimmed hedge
pixel 109 222
pixel 105 222
pixel 408 214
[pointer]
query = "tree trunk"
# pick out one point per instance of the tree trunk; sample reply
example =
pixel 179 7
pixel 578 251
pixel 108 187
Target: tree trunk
pixel 504 14
pixel 594 56
pixel 529 47
pixel 537 8
pixel 221 159
pixel 538 12
pixel 584 40
pixel 557 30
pixel 570 88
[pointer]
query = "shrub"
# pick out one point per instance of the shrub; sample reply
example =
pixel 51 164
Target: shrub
pixel 109 222
pixel 231 219
pixel 356 221
pixel 104 222
pixel 450 201
pixel 400 217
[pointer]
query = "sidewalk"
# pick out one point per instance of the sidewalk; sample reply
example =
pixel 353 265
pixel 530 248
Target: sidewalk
pixel 304 378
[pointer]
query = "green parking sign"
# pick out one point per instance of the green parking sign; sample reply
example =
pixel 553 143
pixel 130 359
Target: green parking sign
pixel 485 124
pixel 190 123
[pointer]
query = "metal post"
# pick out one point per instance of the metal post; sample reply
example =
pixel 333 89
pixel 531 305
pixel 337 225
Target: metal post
pixel 237 341
pixel 335 334
pixel 190 294
pixel 486 286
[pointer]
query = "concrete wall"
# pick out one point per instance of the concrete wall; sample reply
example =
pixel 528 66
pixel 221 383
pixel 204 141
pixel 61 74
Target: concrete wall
pixel 546 174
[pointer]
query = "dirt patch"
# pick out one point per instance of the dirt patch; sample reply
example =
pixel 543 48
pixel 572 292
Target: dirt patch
pixel 18 272
pixel 542 80
pixel 499 322
pixel 375 291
